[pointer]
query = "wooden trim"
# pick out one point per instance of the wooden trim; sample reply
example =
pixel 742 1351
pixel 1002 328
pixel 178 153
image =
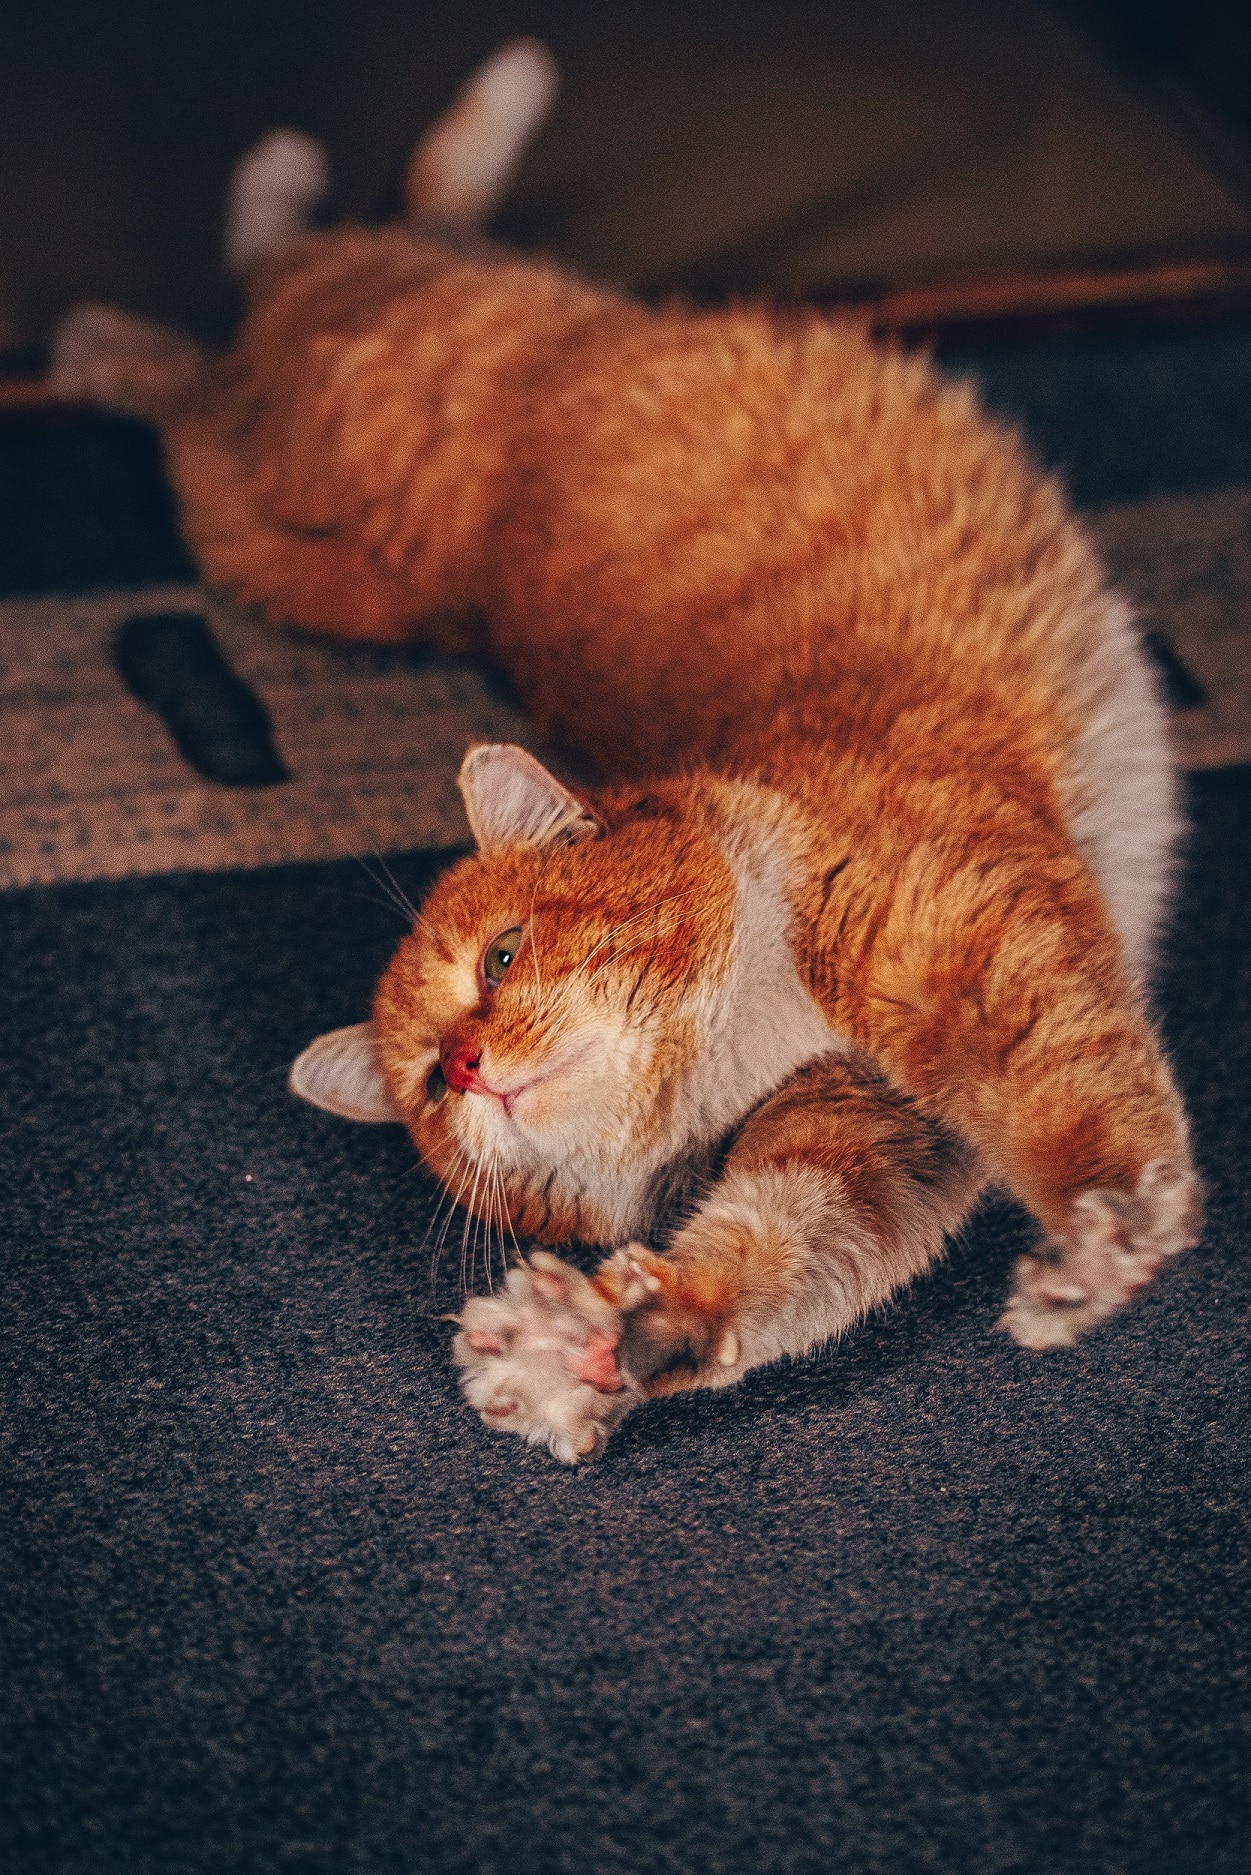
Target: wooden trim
pixel 1070 297
pixel 1074 296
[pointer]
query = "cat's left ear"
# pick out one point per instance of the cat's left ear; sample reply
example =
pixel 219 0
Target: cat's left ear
pixel 511 799
pixel 340 1072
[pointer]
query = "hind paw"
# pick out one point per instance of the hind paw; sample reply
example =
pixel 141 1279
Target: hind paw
pixel 540 1360
pixel 103 356
pixel 1114 1247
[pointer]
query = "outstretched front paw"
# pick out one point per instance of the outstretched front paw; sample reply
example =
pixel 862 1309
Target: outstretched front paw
pixel 540 1359
pixel 1114 1247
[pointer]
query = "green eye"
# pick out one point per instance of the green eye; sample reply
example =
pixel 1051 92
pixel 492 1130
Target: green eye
pixel 499 954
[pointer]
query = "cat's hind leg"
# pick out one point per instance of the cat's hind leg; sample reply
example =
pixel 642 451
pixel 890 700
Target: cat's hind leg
pixel 275 188
pixel 1113 1246
pixel 463 166
pixel 106 357
pixel 837 1192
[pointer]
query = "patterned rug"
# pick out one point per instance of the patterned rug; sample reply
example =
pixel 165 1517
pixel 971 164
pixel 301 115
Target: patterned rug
pixel 94 787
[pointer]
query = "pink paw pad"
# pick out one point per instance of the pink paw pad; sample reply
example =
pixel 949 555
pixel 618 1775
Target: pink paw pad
pixel 597 1363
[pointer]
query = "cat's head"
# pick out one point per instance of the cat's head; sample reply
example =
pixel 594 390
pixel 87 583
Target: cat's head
pixel 539 1031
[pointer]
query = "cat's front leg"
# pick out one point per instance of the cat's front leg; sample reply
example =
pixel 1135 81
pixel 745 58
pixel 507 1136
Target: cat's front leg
pixel 1009 1013
pixel 837 1191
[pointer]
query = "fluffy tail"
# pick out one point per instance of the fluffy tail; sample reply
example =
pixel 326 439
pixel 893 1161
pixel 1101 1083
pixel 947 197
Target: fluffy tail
pixel 463 166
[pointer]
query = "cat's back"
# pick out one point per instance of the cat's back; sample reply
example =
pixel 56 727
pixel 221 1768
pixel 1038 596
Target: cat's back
pixel 656 464
pixel 741 532
pixel 714 506
pixel 692 509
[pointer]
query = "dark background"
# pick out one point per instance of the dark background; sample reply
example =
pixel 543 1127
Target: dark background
pixel 797 145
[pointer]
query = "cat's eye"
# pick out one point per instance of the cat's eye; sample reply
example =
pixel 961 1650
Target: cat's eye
pixel 499 953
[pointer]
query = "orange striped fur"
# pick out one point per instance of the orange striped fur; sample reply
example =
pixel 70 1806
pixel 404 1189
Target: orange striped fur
pixel 860 913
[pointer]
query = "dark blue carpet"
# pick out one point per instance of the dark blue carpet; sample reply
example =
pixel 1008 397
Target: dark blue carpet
pixel 274 1601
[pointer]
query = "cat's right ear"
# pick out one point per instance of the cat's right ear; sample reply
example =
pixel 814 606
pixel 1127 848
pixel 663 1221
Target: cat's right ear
pixel 511 799
pixel 340 1072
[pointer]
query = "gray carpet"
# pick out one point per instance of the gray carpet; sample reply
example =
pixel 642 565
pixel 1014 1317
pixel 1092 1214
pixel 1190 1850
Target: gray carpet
pixel 274 1601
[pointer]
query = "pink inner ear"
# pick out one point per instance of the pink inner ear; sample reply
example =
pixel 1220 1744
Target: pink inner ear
pixel 511 800
pixel 340 1072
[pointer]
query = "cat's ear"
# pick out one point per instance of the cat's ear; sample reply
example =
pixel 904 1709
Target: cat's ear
pixel 340 1072
pixel 510 799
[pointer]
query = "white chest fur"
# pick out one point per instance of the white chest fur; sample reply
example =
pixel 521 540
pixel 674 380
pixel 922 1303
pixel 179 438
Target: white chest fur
pixel 763 1023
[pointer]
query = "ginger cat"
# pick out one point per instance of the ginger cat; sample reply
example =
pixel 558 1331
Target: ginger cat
pixel 862 917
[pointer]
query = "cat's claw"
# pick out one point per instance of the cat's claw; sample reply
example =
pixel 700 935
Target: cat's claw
pixel 540 1359
pixel 1114 1248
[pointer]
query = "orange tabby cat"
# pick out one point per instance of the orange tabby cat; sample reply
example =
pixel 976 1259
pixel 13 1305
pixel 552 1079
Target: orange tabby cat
pixel 863 916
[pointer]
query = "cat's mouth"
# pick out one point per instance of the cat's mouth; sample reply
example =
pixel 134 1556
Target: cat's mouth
pixel 463 1071
pixel 508 1097
pixel 498 1087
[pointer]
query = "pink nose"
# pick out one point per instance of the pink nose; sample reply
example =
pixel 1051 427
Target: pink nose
pixel 461 1070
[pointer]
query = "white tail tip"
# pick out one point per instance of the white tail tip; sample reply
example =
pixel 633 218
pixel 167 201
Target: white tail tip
pixel 273 192
pixel 463 165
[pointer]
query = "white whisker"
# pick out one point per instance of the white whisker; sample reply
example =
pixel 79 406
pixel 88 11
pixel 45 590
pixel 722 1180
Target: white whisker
pixel 494 1206
pixel 470 1218
pixel 447 1222
pixel 445 1198
pixel 395 892
pixel 506 1213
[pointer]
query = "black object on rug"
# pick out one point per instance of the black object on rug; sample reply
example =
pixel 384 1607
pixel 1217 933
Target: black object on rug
pixel 172 662
pixel 275 1601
